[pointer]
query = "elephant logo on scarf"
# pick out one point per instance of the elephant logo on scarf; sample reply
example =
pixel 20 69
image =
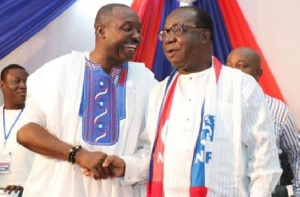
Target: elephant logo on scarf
pixel 208 128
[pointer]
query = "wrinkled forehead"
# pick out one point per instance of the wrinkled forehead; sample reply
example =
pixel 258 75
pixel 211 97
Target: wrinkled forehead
pixel 186 16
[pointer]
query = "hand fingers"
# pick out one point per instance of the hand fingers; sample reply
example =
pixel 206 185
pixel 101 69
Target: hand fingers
pixel 9 188
pixel 84 170
pixel 115 164
pixel 19 188
pixel 99 172
pixel 111 171
pixel 109 160
pixel 103 171
pixel 95 174
pixel 14 188
pixel 100 166
pixel 87 172
pixel 108 163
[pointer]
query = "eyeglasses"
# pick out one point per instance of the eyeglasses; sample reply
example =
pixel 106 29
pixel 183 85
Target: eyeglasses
pixel 175 30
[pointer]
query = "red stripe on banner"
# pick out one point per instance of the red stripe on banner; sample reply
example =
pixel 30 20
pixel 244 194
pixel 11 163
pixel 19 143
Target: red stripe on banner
pixel 240 35
pixel 150 13
pixel 139 6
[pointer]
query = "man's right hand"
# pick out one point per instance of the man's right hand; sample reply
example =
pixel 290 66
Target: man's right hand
pixel 91 162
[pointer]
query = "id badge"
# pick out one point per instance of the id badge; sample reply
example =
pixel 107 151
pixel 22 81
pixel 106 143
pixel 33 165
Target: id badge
pixel 5 161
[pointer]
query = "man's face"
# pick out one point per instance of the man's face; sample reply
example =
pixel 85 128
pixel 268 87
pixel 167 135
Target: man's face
pixel 183 50
pixel 245 62
pixel 14 86
pixel 123 34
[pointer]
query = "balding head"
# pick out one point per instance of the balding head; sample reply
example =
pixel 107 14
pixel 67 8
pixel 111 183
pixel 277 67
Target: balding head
pixel 105 13
pixel 247 60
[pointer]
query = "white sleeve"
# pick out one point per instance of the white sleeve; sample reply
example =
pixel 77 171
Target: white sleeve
pixel 46 90
pixel 259 137
pixel 137 165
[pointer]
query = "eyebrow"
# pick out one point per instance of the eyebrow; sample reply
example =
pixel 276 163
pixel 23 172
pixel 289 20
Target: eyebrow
pixel 131 23
pixel 171 26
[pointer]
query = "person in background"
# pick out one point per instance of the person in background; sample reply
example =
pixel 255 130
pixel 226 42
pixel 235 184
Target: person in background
pixel 15 160
pixel 288 137
pixel 86 111
pixel 209 124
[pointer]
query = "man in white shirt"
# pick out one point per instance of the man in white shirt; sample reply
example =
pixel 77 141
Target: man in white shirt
pixel 15 160
pixel 87 111
pixel 209 124
pixel 286 130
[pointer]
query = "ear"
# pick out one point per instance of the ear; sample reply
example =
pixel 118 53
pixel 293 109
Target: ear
pixel 100 30
pixel 1 85
pixel 259 72
pixel 205 36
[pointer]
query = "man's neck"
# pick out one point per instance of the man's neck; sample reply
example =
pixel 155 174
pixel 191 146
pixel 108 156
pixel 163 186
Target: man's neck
pixel 13 106
pixel 106 62
pixel 196 67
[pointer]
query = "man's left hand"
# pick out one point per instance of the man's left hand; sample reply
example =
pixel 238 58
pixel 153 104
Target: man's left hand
pixel 115 164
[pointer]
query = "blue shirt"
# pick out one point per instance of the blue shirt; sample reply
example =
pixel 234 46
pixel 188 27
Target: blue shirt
pixel 288 136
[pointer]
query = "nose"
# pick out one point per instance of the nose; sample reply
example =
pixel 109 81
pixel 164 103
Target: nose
pixel 137 35
pixel 169 38
pixel 22 84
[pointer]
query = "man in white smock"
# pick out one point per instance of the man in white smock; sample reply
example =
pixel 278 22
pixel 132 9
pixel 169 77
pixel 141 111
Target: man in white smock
pixel 87 111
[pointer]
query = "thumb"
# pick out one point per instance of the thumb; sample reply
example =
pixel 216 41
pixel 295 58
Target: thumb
pixel 108 160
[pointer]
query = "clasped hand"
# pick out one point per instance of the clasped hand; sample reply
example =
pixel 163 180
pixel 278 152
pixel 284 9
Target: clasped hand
pixel 99 165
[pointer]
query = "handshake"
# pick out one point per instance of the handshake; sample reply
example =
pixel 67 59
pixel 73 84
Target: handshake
pixel 100 165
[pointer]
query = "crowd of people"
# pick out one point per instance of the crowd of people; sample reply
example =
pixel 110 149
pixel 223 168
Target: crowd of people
pixel 95 123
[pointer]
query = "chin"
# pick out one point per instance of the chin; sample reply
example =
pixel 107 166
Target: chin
pixel 129 58
pixel 175 64
pixel 173 61
pixel 21 100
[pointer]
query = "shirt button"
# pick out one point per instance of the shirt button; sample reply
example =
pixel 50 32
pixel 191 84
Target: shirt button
pixel 191 78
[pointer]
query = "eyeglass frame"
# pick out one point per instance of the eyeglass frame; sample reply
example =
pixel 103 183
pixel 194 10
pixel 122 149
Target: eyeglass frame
pixel 182 28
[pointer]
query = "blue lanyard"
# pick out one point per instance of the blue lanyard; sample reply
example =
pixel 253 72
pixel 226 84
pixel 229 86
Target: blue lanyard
pixel 6 135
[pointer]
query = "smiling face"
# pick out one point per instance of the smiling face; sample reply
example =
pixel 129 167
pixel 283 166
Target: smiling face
pixel 14 88
pixel 120 35
pixel 189 50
